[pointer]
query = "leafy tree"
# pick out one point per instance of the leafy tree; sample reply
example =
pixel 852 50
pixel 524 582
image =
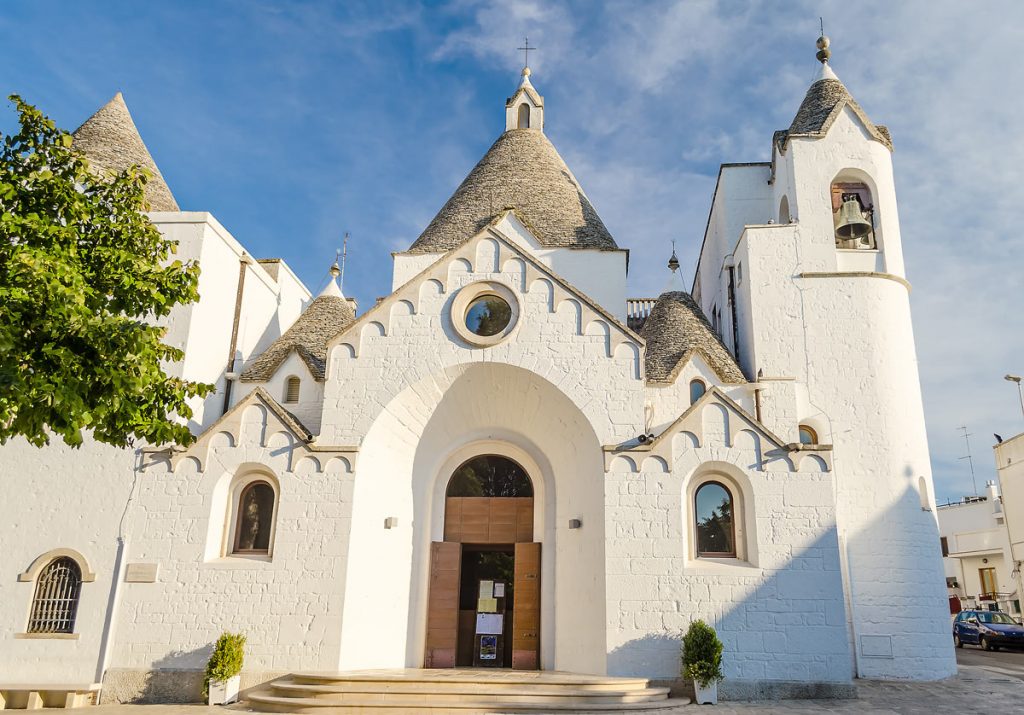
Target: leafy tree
pixel 83 276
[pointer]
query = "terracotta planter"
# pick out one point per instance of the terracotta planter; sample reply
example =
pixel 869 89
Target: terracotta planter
pixel 708 695
pixel 223 692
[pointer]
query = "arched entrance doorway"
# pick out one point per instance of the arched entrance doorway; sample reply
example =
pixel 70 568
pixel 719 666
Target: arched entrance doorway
pixel 484 600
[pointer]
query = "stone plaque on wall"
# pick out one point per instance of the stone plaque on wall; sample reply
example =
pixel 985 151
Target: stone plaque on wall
pixel 141 573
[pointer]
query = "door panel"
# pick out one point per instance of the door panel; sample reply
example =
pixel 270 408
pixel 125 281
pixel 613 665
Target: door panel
pixel 443 605
pixel 526 608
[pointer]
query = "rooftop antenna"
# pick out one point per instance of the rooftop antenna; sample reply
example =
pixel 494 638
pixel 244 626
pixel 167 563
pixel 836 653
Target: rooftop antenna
pixel 526 51
pixel 970 460
pixel 344 255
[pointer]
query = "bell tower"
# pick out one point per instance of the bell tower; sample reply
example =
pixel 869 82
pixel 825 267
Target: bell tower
pixel 525 108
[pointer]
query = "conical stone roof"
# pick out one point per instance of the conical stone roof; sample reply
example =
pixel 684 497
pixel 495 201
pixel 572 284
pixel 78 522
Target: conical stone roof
pixel 676 328
pixel 324 318
pixel 111 143
pixel 522 170
pixel 822 105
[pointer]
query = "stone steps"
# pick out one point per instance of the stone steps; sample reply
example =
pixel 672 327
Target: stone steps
pixel 459 691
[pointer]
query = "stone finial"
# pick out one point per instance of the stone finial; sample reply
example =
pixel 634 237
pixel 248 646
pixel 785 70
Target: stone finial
pixel 824 53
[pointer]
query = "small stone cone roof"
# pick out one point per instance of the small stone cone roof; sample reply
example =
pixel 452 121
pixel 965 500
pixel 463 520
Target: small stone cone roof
pixel 324 318
pixel 677 327
pixel 111 143
pixel 521 170
pixel 822 105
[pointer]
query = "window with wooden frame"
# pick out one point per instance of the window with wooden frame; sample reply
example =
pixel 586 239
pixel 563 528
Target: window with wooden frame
pixel 808 435
pixel 291 389
pixel 714 521
pixel 55 603
pixel 988 582
pixel 254 519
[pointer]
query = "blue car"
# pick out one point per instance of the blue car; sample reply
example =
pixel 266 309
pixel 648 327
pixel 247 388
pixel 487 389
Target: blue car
pixel 989 629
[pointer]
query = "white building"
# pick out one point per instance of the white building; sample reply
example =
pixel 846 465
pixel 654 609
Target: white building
pixel 976 552
pixel 1009 456
pixel 496 419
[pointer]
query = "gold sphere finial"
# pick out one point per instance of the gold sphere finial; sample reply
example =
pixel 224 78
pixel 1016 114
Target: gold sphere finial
pixel 526 72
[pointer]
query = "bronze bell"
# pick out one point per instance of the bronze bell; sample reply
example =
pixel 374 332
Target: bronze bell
pixel 852 224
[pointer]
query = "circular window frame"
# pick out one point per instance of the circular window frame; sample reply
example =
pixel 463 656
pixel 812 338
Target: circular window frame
pixel 465 297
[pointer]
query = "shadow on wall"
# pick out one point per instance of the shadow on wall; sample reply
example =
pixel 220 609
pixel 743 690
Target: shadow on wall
pixel 786 633
pixel 174 678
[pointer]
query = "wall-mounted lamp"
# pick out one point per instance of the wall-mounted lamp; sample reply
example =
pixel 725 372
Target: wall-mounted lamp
pixel 391 522
pixel 575 523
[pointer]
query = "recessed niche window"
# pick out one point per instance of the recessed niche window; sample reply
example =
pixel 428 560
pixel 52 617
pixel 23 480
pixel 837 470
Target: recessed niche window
pixel 55 603
pixel 697 390
pixel 254 519
pixel 488 315
pixel 714 521
pixel 808 435
pixel 524 116
pixel 853 215
pixel 291 389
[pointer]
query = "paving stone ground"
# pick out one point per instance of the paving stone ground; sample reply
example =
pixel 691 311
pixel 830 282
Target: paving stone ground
pixel 973 690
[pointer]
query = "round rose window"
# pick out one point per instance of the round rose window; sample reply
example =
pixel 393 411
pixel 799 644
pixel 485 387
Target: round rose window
pixel 488 315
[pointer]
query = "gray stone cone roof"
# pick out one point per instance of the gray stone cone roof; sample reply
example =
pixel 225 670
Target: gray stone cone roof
pixel 822 104
pixel 521 170
pixel 324 318
pixel 111 143
pixel 676 327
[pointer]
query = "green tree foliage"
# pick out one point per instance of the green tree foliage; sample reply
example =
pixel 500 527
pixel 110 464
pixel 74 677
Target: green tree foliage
pixel 702 654
pixel 226 660
pixel 83 276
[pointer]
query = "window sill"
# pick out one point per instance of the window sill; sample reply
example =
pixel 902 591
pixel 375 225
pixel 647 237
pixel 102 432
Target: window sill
pixel 722 566
pixel 856 250
pixel 47 636
pixel 238 561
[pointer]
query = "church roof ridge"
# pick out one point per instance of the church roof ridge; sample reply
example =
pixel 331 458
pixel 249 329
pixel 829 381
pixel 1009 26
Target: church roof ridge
pixel 111 142
pixel 322 319
pixel 521 170
pixel 674 330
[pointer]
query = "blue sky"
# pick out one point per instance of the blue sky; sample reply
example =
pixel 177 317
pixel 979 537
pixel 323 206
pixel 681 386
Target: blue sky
pixel 295 122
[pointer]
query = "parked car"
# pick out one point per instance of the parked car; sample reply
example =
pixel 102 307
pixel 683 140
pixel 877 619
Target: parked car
pixel 989 629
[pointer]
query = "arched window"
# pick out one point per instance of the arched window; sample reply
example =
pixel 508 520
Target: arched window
pixel 808 435
pixel 55 603
pixel 784 210
pixel 715 527
pixel 254 519
pixel 490 475
pixel 853 214
pixel 291 389
pixel 697 390
pixel 524 116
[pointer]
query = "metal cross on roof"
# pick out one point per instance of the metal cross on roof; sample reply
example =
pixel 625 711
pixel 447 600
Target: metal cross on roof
pixel 526 51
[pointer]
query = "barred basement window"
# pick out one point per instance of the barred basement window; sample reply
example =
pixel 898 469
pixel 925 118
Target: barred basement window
pixel 55 603
pixel 291 389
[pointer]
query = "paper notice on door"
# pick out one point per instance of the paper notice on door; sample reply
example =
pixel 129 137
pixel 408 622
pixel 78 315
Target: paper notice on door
pixel 489 623
pixel 487 605
pixel 499 590
pixel 486 589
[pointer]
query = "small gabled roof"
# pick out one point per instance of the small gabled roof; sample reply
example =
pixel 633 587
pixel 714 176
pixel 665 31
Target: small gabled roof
pixel 111 142
pixel 675 330
pixel 824 102
pixel 324 318
pixel 521 170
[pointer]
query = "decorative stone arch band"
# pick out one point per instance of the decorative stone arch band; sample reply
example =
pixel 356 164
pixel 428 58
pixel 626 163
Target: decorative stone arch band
pixel 36 567
pixel 467 295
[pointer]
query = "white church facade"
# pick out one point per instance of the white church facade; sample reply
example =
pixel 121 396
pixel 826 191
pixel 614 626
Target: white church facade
pixel 751 453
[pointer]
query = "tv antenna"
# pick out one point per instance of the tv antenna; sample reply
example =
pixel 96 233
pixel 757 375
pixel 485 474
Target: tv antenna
pixel 970 460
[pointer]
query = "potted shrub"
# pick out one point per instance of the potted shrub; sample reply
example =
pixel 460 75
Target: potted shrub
pixel 222 679
pixel 702 661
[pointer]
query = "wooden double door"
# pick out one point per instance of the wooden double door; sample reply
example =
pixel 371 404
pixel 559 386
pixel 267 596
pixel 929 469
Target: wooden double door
pixel 501 524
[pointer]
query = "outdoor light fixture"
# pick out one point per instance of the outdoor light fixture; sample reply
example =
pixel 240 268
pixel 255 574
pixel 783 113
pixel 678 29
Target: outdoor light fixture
pixel 575 523
pixel 1020 392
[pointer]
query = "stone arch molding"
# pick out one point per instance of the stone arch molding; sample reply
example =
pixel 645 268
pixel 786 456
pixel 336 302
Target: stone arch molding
pixel 715 428
pixel 489 255
pixel 258 430
pixel 36 567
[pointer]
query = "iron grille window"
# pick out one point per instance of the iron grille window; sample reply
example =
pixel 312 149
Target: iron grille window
pixel 56 600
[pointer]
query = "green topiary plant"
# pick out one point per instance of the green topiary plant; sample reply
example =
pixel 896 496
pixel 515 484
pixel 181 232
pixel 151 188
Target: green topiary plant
pixel 226 660
pixel 702 654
